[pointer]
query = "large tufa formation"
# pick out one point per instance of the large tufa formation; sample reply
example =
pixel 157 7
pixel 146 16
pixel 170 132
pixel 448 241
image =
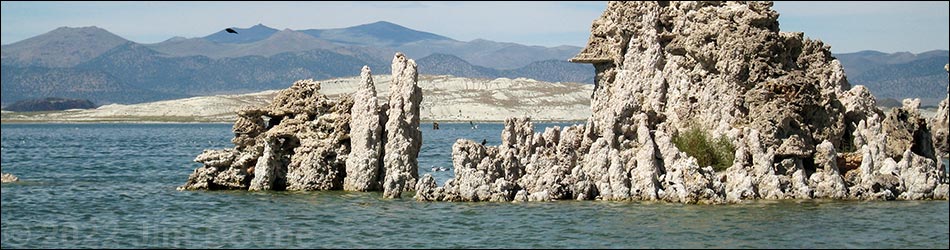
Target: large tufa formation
pixel 403 137
pixel 800 130
pixel 305 141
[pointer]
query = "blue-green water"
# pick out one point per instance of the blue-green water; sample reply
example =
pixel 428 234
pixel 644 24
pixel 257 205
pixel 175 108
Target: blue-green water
pixel 113 185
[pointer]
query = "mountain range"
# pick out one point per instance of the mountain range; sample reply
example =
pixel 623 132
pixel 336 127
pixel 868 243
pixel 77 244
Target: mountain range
pixel 899 75
pixel 95 64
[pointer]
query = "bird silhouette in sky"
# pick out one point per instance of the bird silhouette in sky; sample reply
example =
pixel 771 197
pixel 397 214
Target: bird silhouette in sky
pixel 229 30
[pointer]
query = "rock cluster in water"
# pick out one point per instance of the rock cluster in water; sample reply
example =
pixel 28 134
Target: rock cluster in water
pixel 305 141
pixel 8 177
pixel 800 129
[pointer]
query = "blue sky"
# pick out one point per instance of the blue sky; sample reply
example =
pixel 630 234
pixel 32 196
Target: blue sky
pixel 847 26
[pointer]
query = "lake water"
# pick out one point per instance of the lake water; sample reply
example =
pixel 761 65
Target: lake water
pixel 113 186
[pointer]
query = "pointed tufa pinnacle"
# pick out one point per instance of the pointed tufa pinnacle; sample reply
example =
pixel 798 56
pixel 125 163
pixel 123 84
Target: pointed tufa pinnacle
pixel 363 165
pixel 403 137
pixel 366 78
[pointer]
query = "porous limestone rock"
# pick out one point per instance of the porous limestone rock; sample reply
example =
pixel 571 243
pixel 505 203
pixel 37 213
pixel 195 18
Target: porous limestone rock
pixel 919 176
pixel 319 162
pixel 799 128
pixel 663 67
pixel 403 137
pixel 303 140
pixel 427 189
pixel 363 167
pixel 827 181
pixel 905 128
pixel 270 172
pixel 298 142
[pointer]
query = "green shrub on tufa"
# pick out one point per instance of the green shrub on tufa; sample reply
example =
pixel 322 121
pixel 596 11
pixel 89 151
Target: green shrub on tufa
pixel 695 142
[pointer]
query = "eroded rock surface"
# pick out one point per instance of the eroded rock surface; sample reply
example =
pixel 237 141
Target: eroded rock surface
pixel 724 67
pixel 363 167
pixel 940 124
pixel 306 141
pixel 799 129
pixel 403 137
pixel 299 142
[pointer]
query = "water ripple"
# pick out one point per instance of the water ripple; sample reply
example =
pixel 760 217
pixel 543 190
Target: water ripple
pixel 113 186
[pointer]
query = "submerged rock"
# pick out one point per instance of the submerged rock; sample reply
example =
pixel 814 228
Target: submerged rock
pixel 8 177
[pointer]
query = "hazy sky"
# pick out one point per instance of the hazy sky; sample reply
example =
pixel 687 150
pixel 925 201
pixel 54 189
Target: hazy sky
pixel 847 26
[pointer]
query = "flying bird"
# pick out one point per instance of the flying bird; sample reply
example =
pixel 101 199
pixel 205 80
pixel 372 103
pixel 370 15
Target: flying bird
pixel 229 30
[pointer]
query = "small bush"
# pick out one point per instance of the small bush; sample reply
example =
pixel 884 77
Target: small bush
pixel 718 153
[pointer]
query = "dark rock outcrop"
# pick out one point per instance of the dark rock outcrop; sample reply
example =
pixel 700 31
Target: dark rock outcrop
pixel 49 104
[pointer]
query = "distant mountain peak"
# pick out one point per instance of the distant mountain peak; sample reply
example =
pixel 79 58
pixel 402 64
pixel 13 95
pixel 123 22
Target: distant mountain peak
pixel 259 26
pixel 94 30
pixel 382 23
pixel 379 24
pixel 64 28
pixel 61 47
pixel 379 33
pixel 245 35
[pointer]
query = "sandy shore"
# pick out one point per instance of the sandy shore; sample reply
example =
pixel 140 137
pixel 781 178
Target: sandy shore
pixel 445 98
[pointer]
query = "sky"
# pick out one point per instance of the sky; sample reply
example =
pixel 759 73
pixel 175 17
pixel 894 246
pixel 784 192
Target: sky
pixel 846 26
